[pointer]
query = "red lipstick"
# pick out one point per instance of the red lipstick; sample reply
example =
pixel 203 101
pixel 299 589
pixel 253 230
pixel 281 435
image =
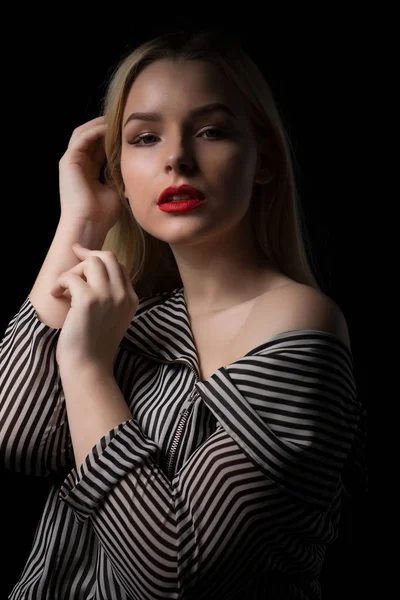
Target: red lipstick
pixel 191 199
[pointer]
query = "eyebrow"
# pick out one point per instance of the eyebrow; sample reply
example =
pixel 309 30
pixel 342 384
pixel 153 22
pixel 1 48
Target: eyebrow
pixel 197 112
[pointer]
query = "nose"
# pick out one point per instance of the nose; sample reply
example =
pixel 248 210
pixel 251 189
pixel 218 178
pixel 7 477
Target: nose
pixel 180 158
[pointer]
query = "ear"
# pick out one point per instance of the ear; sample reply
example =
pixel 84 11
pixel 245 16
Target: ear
pixel 265 163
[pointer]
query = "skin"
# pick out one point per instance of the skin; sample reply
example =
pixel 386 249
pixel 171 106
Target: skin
pixel 212 245
pixel 215 153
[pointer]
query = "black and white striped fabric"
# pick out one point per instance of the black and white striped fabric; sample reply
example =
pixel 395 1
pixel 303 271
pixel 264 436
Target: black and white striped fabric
pixel 229 487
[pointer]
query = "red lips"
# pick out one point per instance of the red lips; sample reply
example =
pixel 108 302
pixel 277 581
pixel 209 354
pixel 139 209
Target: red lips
pixel 178 191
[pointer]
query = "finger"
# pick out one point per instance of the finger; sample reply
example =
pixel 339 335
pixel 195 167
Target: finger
pixel 92 270
pixel 114 268
pixel 97 276
pixel 73 283
pixel 57 289
pixel 87 126
pixel 85 139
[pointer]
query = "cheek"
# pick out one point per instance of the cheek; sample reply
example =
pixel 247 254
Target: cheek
pixel 237 169
pixel 134 173
pixel 137 175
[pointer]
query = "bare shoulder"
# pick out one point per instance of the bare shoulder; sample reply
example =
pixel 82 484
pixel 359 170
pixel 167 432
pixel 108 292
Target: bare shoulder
pixel 295 306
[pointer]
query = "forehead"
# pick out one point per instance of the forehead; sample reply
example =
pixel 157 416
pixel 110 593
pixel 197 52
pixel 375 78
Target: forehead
pixel 182 86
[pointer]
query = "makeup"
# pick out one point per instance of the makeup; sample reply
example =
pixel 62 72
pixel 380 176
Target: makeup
pixel 180 198
pixel 181 205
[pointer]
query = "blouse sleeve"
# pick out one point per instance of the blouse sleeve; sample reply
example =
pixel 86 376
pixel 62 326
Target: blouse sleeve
pixel 34 433
pixel 265 479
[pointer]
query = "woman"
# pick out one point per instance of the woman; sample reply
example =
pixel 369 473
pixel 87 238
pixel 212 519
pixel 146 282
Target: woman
pixel 179 367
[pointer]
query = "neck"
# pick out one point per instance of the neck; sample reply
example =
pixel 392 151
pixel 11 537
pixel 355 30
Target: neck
pixel 223 272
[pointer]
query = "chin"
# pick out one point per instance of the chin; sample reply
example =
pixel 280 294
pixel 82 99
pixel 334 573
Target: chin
pixel 178 233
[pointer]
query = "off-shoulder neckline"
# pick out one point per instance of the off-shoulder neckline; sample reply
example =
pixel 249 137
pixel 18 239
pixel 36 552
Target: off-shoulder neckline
pixel 283 334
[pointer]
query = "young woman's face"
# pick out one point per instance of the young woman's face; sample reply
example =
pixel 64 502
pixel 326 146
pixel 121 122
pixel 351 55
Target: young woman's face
pixel 182 137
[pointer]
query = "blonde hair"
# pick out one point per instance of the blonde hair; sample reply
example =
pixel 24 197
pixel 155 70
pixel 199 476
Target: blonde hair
pixel 276 218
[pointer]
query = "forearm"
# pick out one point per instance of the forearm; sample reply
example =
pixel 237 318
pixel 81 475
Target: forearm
pixel 60 257
pixel 95 405
pixel 33 423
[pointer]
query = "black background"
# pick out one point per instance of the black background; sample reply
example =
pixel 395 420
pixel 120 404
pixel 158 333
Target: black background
pixel 319 75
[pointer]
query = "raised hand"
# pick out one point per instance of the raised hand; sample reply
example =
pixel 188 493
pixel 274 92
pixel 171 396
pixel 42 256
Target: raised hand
pixel 103 303
pixel 89 208
pixel 83 196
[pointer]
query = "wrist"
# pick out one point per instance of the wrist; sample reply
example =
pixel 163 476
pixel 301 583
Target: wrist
pixel 87 233
pixel 94 404
pixel 85 372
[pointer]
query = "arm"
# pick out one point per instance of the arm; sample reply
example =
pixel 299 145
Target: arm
pixel 269 475
pixel 34 433
pixel 88 210
pixel 33 425
pixel 95 405
pixel 60 257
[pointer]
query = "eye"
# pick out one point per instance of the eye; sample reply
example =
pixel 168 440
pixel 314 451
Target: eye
pixel 143 140
pixel 212 133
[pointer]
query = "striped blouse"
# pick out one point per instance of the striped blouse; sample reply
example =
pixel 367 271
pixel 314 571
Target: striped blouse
pixel 226 487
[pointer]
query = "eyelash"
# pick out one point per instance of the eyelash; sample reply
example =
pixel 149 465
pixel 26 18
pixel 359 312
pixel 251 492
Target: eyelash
pixel 143 136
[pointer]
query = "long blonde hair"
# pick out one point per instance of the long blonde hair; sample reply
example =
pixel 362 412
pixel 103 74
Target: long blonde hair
pixel 277 221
